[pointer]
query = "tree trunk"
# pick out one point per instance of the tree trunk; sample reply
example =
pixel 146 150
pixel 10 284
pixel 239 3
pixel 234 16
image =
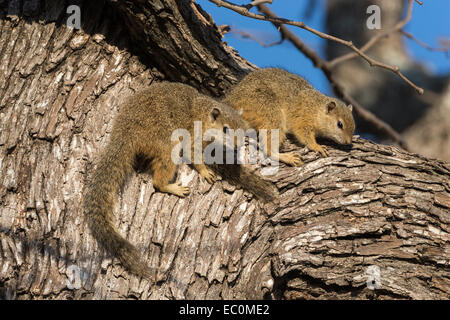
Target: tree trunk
pixel 369 213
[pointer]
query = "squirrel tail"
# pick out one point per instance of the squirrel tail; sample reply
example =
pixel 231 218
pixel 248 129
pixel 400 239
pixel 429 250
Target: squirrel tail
pixel 249 180
pixel 111 171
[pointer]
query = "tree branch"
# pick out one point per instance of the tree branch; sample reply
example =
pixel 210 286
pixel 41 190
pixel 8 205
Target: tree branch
pixel 257 2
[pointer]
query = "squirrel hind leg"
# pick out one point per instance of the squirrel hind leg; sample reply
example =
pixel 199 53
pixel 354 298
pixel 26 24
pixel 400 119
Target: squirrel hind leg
pixel 176 189
pixel 163 172
pixel 290 158
pixel 308 139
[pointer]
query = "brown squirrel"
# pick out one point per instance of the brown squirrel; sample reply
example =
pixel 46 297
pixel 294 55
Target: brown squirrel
pixel 143 127
pixel 273 98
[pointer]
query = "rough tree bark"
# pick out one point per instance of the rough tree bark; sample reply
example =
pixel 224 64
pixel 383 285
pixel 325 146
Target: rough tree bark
pixel 335 217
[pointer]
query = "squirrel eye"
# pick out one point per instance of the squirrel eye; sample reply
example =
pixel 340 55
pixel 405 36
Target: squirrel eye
pixel 340 125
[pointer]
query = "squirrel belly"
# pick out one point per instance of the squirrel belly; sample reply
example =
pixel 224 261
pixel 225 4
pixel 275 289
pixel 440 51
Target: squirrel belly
pixel 273 98
pixel 143 127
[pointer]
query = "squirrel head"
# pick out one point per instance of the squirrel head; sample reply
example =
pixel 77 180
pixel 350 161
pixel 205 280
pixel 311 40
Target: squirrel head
pixel 222 117
pixel 336 122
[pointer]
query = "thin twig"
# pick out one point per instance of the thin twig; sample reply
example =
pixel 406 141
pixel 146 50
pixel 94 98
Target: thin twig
pixel 378 124
pixel 423 44
pixel 372 62
pixel 247 35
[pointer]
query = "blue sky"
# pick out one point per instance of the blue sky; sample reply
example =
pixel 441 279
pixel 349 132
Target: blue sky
pixel 429 23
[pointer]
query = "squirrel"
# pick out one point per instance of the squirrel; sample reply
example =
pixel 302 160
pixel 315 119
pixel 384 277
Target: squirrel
pixel 143 128
pixel 273 98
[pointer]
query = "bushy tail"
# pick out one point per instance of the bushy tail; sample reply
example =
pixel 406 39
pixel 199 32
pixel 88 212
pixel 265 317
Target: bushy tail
pixel 249 180
pixel 111 171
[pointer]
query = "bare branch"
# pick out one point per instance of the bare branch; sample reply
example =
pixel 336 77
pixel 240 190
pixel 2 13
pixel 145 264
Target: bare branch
pixel 247 35
pixel 200 16
pixel 372 62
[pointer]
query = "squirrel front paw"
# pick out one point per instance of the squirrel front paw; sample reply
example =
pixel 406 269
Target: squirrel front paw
pixel 207 174
pixel 320 149
pixel 290 158
pixel 177 189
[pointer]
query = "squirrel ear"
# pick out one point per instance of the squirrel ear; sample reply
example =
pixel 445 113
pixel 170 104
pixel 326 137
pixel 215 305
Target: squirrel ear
pixel 331 105
pixel 350 107
pixel 215 113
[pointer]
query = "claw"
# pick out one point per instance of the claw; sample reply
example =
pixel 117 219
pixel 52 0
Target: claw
pixel 291 158
pixel 184 191
pixel 208 175
pixel 323 151
pixel 319 149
